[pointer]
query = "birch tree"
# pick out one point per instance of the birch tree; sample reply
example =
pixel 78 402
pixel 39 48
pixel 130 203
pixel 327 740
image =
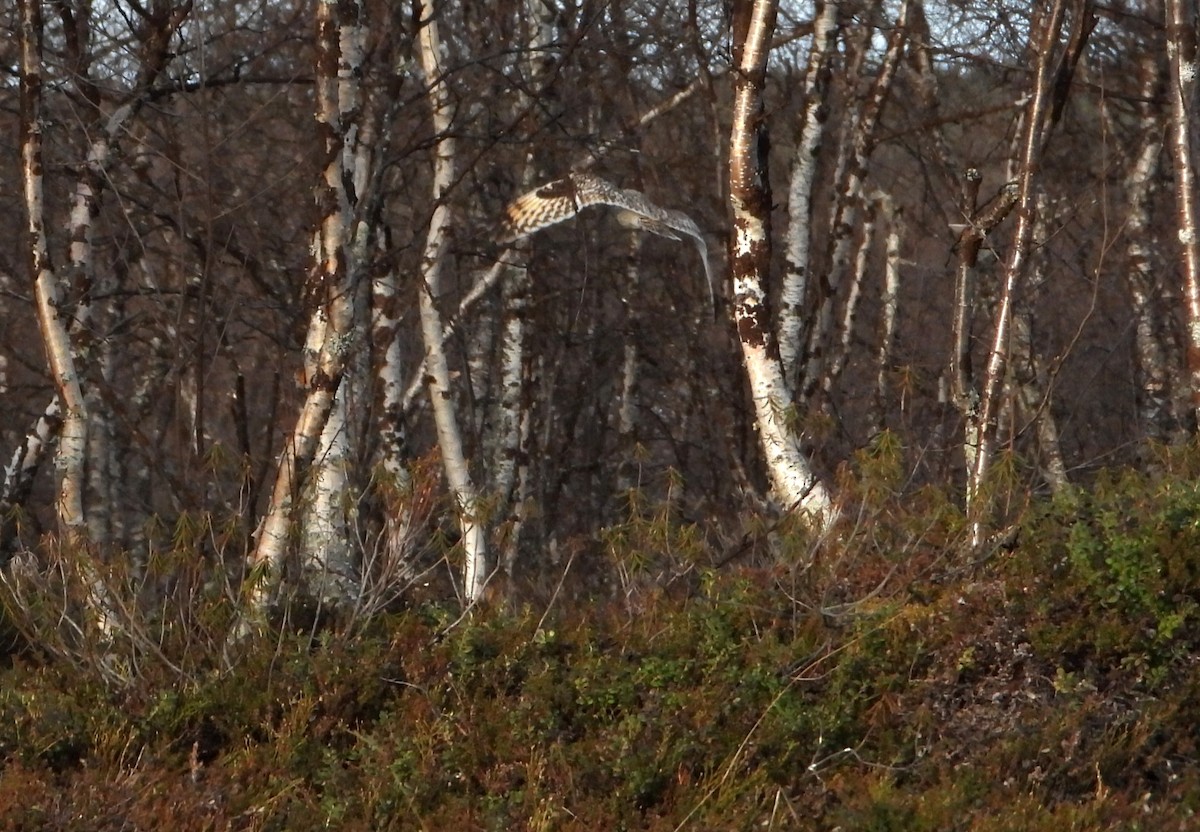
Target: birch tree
pixel 795 484
pixel 509 446
pixel 813 116
pixel 331 555
pixel 1182 57
pixel 1151 345
pixel 49 293
pixel 1045 29
pixel 450 444
pixel 331 336
pixel 890 312
pixel 847 209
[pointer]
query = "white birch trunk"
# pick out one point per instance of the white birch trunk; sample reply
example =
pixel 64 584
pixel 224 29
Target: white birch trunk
pixel 483 284
pixel 793 481
pixel 389 376
pixel 329 559
pixel 804 171
pixel 1155 410
pixel 1029 377
pixel 510 450
pixel 454 461
pixel 510 465
pixel 985 425
pixel 849 199
pixel 333 319
pixel 850 310
pixel 1182 58
pixel 48 293
pixel 890 308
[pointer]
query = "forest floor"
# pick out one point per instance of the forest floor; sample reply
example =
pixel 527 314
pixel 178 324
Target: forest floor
pixel 879 680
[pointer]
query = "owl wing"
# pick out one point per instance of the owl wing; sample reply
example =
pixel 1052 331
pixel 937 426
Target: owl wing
pixel 560 200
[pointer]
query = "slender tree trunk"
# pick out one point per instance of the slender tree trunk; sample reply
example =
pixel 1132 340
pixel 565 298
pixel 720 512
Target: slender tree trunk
pixel 329 557
pixel 48 293
pixel 862 256
pixel 485 283
pixel 389 376
pixel 846 212
pixel 792 478
pixel 1045 28
pixel 20 472
pixel 628 406
pixel 509 443
pixel 458 475
pixel 795 290
pixel 1156 412
pixel 1182 59
pixel 510 451
pixel 890 303
pixel 397 486
pixel 1032 391
pixel 76 289
pixel 332 322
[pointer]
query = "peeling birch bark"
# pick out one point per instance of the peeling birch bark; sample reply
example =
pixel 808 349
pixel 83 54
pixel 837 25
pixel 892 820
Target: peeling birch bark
pixel 333 319
pixel 329 556
pixel 1182 59
pixel 48 291
pixel 454 461
pixel 792 479
pixel 794 294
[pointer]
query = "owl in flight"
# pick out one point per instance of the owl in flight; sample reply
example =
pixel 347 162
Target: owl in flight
pixel 562 199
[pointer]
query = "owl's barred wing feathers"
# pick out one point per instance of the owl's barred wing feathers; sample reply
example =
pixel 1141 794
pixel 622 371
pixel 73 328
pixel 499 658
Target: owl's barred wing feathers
pixel 562 199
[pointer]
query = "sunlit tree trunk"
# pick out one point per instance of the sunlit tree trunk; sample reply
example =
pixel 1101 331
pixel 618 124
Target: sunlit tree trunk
pixel 484 283
pixel 1044 32
pixel 804 171
pixel 795 485
pixel 890 308
pixel 48 291
pixel 1181 89
pixel 329 557
pixel 330 331
pixel 454 460
pixel 107 123
pixel 964 390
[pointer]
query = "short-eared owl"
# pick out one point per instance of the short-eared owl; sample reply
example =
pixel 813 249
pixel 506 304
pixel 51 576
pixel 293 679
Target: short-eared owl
pixel 562 199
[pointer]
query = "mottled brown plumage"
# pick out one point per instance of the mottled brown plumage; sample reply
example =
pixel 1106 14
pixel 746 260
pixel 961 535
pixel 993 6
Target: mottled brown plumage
pixel 562 199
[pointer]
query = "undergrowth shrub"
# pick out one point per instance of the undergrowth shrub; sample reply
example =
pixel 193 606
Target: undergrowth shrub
pixel 873 680
pixel 1122 557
